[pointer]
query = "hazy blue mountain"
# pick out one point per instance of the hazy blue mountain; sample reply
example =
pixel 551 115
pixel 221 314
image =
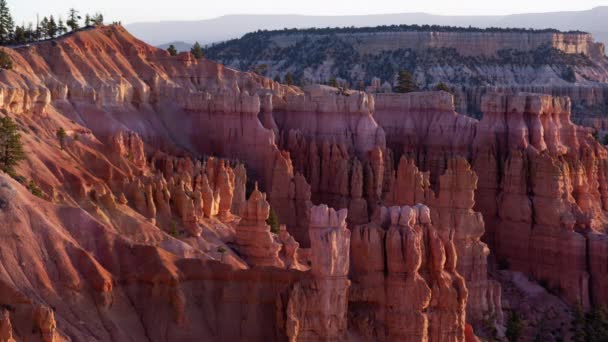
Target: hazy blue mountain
pixel 180 46
pixel 219 29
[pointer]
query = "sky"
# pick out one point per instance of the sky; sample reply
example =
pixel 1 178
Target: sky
pixel 130 11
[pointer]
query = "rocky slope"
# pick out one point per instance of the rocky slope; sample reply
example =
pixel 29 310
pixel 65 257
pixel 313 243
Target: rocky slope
pixel 472 62
pixel 149 226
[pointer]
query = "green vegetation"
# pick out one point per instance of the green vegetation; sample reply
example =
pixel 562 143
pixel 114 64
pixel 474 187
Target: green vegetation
pixel 172 50
pixel 61 134
pixel 514 327
pixel 46 28
pixel 7 25
pixel 289 79
pixel 591 326
pixel 73 19
pixel 197 51
pixel 11 147
pixel 173 228
pixel 309 50
pixel 402 28
pixel 443 87
pixel 333 82
pixel 405 83
pixel 6 62
pixel 34 189
pixel 273 221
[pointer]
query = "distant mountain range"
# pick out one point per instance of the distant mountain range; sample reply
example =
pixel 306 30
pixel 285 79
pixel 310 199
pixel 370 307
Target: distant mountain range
pixel 594 21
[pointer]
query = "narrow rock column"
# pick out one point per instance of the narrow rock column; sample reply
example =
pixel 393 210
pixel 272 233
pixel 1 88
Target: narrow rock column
pixel 317 307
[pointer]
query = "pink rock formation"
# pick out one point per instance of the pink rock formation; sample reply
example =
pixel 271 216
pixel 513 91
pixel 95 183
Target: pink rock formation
pixel 253 237
pixel 405 282
pixel 317 307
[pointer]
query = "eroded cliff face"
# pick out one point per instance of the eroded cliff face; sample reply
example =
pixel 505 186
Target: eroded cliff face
pixel 149 225
pixel 540 186
pixel 405 283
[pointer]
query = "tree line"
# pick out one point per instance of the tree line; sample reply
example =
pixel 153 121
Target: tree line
pixel 47 28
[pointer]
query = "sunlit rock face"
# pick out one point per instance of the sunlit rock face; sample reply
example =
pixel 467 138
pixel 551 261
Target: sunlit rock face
pixel 147 221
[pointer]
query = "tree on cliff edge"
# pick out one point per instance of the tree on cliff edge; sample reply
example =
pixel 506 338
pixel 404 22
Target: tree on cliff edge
pixel 197 51
pixel 6 23
pixel 11 148
pixel 73 19
pixel 172 50
pixel 405 83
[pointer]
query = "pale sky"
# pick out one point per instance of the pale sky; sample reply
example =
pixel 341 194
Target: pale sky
pixel 129 11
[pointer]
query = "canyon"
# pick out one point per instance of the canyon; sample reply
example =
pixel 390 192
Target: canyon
pixel 395 210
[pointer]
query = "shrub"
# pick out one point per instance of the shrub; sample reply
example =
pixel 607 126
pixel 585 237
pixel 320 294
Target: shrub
pixel 442 86
pixel 6 62
pixel 34 189
pixel 514 327
pixel 273 221
pixel 61 134
pixel 503 264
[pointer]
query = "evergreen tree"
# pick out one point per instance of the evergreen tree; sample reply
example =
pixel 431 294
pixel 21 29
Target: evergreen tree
pixel 19 36
pixel 197 51
pixel 273 221
pixel 44 26
pixel 73 19
pixel 172 50
pixel 442 86
pixel 277 78
pixel 61 29
pixel 61 134
pixel 30 34
pixel 11 147
pixel 98 19
pixel 51 28
pixel 289 79
pixel 6 23
pixel 5 60
pixel 333 82
pixel 405 83
pixel 87 20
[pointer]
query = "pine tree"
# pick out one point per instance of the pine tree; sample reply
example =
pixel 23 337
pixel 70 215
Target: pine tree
pixel 61 29
pixel 273 221
pixel 5 60
pixel 87 20
pixel 61 134
pixel 73 19
pixel 289 79
pixel 51 28
pixel 172 50
pixel 405 83
pixel 19 37
pixel 30 34
pixel 277 78
pixel 11 147
pixel 442 86
pixel 333 82
pixel 44 27
pixel 197 51
pixel 98 19
pixel 6 23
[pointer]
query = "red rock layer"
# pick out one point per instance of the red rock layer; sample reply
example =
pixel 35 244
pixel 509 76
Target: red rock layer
pixel 541 184
pixel 405 283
